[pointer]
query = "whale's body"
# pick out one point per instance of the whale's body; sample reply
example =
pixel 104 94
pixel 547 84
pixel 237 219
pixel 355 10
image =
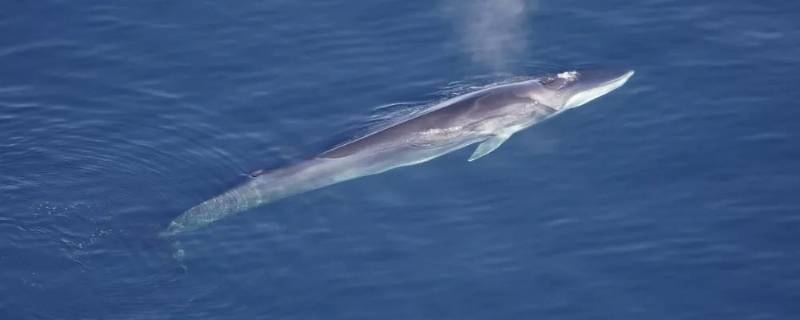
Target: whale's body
pixel 488 116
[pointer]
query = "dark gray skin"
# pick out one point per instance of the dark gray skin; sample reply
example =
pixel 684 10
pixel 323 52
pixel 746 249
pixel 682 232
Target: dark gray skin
pixel 488 116
pixel 468 112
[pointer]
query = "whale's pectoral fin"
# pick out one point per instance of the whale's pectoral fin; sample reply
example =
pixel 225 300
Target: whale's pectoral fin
pixel 488 146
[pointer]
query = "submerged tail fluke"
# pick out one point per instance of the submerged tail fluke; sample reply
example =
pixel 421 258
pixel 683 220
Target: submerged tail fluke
pixel 226 204
pixel 261 189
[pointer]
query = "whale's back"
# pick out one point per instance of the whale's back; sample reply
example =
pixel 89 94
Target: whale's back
pixel 452 115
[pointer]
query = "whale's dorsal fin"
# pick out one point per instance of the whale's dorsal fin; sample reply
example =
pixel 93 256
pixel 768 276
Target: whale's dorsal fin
pixel 489 145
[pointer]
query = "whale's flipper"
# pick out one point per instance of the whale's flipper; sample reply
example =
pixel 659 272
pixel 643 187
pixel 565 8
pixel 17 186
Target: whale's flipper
pixel 488 146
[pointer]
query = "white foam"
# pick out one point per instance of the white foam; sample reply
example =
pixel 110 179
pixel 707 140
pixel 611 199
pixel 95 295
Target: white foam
pixel 569 75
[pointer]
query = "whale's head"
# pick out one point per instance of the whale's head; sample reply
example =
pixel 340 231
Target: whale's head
pixel 571 89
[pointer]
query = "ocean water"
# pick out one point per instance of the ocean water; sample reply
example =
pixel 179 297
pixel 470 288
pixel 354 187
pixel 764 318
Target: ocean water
pixel 674 197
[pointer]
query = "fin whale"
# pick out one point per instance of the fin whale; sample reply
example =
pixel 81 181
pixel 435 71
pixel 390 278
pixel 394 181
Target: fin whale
pixel 487 117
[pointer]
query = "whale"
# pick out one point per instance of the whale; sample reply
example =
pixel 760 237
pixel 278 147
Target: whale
pixel 486 117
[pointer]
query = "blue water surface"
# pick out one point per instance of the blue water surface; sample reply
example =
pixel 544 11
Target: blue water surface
pixel 674 197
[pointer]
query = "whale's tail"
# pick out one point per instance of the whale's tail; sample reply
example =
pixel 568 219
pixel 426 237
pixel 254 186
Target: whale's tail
pixel 261 189
pixel 221 206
